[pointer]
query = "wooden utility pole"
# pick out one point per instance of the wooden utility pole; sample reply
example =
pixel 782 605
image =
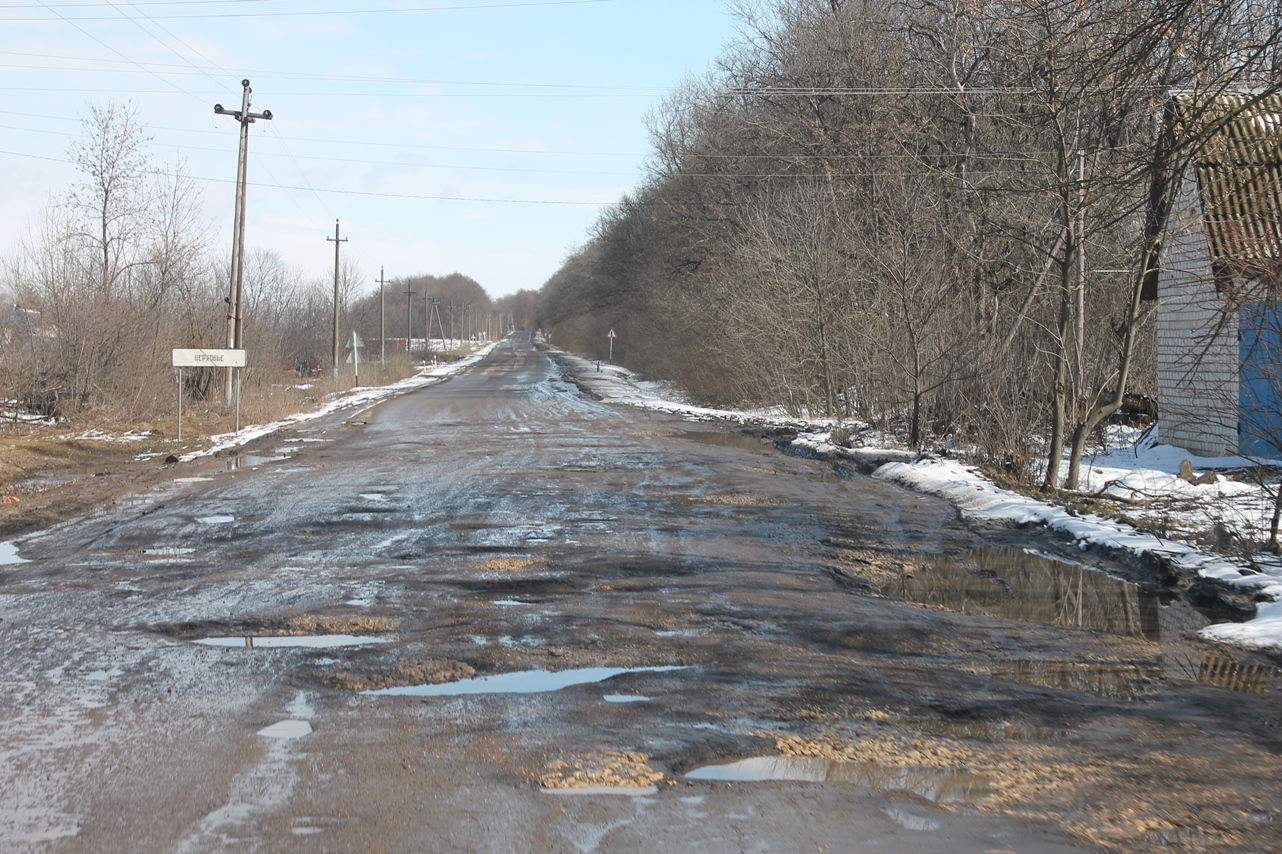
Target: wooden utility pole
pixel 235 299
pixel 382 320
pixel 337 243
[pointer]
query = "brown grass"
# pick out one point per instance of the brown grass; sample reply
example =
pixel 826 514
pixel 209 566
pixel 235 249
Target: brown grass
pixel 624 769
pixel 512 564
pixel 427 671
pixel 38 450
pixel 312 624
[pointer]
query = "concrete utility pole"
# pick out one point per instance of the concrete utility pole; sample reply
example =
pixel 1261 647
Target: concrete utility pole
pixel 337 243
pixel 435 311
pixel 409 317
pixel 235 314
pixel 382 320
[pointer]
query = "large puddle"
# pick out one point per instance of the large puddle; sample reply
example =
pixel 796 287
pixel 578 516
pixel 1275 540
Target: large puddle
pixel 931 783
pixel 728 440
pixel 520 682
pixel 1017 584
pixel 280 641
pixel 251 461
pixel 9 554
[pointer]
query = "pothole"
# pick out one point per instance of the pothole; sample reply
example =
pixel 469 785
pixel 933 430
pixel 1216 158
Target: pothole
pixel 282 641
pixel 9 554
pixel 518 682
pixel 608 773
pixel 512 564
pixel 934 784
pixel 310 630
pixel 1019 584
pixel 286 729
pixel 427 671
pixel 735 499
pixel 727 440
pixel 249 461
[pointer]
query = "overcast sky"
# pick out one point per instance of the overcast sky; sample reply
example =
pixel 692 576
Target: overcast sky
pixel 445 135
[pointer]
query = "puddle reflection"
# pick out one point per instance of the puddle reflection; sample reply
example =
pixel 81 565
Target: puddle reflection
pixel 1121 682
pixel 9 554
pixel 278 641
pixel 1220 671
pixel 249 461
pixel 727 440
pixel 931 783
pixel 520 682
pixel 1017 584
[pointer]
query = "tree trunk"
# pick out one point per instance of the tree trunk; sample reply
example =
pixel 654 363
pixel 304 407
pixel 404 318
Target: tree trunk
pixel 1059 400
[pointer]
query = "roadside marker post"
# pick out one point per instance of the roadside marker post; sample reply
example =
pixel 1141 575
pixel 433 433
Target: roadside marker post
pixel 196 358
pixel 355 344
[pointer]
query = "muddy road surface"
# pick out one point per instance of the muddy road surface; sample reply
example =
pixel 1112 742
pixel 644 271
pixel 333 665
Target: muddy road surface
pixel 496 615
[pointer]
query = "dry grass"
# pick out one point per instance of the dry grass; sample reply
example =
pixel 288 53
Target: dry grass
pixel 737 499
pixel 312 624
pixel 624 769
pixel 89 442
pixel 427 671
pixel 512 564
pixel 1183 803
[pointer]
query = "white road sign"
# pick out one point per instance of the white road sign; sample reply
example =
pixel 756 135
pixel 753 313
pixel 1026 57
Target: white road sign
pixel 612 335
pixel 209 358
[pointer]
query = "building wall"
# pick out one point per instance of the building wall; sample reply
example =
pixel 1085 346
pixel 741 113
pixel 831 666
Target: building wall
pixel 1197 346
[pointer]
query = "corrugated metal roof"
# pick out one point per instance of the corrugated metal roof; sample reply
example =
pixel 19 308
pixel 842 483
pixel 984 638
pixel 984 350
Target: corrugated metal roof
pixel 1239 175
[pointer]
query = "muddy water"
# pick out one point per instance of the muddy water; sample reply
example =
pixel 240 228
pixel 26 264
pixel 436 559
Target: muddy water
pixel 1019 584
pixel 521 682
pixel 940 785
pixel 727 440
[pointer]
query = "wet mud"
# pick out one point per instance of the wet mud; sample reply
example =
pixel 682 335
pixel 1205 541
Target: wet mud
pixel 869 666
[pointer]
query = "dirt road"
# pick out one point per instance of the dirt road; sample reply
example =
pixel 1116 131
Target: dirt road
pixel 539 623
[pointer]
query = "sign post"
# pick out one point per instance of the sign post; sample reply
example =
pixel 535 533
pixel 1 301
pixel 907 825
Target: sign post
pixel 611 336
pixel 355 344
pixel 195 358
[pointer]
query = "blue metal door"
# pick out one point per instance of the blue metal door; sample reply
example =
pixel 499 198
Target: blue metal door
pixel 1260 385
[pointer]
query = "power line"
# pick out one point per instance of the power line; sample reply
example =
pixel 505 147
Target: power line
pixel 470 149
pixel 85 32
pixel 329 94
pixel 365 142
pixel 493 200
pixel 1023 155
pixel 113 5
pixel 175 68
pixel 311 12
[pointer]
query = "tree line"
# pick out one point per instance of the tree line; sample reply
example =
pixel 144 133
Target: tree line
pixel 122 268
pixel 936 216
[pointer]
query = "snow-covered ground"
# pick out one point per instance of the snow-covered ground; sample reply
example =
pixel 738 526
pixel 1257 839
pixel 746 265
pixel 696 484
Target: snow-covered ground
pixel 1140 474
